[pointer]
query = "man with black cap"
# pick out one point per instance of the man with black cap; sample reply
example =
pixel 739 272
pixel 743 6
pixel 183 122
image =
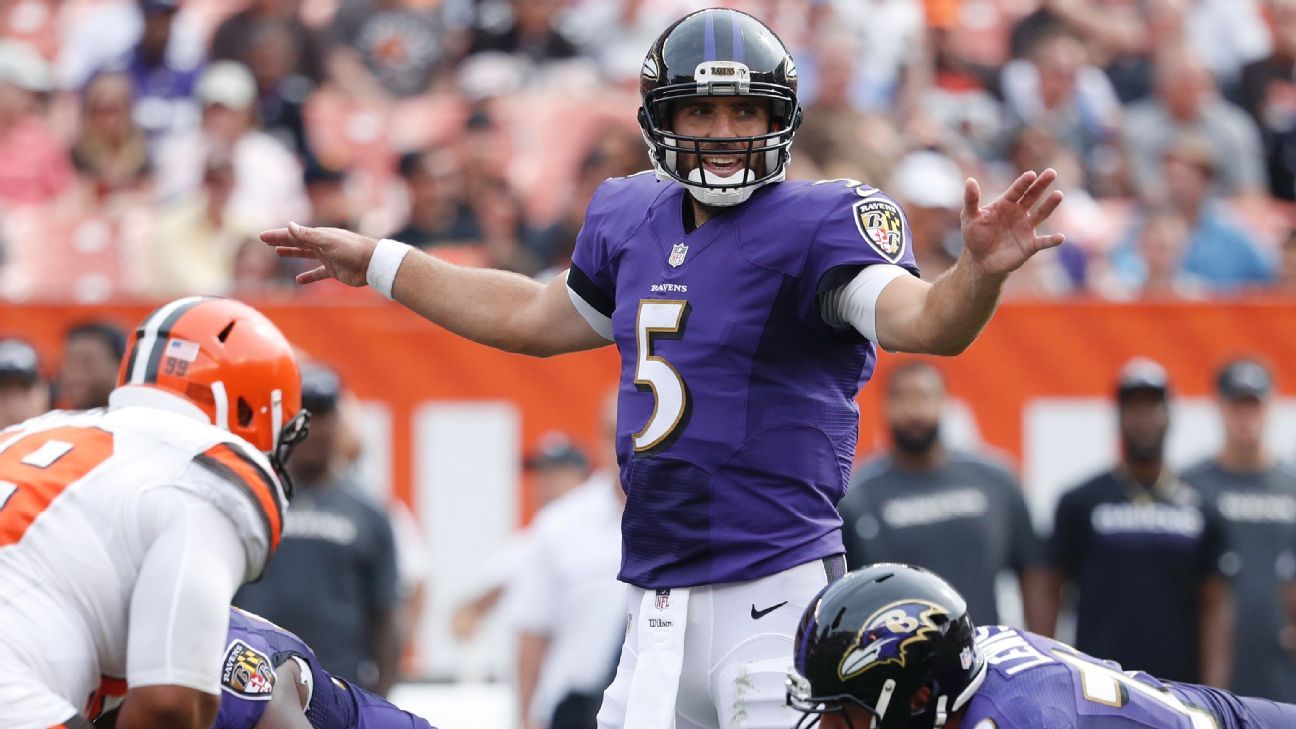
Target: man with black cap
pixel 1142 552
pixel 1256 499
pixel 333 581
pixel 23 394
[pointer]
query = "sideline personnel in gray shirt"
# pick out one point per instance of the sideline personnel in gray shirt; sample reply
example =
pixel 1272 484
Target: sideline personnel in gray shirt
pixel 960 515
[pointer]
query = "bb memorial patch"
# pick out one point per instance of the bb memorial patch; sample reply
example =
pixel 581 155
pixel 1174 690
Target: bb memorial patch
pixel 882 224
pixel 246 672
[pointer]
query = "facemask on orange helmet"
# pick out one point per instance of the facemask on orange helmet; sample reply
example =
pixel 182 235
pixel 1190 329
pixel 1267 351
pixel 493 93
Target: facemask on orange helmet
pixel 231 362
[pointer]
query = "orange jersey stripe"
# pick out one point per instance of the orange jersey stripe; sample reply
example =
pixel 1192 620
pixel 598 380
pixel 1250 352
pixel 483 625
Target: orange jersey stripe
pixel 36 468
pixel 237 468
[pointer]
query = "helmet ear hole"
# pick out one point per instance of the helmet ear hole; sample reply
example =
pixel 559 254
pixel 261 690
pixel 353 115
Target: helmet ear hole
pixel 224 333
pixel 244 413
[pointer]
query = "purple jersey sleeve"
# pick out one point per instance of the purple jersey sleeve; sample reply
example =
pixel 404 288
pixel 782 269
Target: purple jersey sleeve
pixel 860 227
pixel 247 680
pixel 592 277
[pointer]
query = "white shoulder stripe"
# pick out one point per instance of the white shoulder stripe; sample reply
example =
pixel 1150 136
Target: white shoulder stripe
pixel 149 340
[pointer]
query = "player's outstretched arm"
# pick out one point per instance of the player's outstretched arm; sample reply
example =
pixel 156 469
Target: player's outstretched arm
pixel 496 308
pixel 946 316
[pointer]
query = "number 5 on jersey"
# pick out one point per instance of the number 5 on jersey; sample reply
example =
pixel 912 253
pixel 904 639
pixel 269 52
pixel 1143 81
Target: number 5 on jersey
pixel 660 319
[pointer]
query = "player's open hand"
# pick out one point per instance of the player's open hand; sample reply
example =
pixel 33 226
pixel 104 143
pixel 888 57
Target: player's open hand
pixel 342 255
pixel 1000 237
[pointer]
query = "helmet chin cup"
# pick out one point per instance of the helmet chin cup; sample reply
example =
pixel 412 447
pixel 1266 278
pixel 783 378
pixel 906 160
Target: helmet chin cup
pixel 715 190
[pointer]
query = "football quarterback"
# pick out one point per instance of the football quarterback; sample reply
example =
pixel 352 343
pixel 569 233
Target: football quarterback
pixel 748 310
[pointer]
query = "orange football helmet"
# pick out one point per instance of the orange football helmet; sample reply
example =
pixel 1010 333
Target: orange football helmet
pixel 229 360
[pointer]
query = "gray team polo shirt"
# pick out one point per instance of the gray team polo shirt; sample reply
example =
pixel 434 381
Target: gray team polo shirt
pixel 965 520
pixel 333 575
pixel 1258 511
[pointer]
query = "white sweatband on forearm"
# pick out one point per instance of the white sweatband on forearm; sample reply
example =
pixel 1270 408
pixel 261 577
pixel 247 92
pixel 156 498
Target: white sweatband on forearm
pixel 855 303
pixel 386 260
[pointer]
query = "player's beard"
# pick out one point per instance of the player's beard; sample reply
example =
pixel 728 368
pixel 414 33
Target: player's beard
pixel 915 439
pixel 1142 451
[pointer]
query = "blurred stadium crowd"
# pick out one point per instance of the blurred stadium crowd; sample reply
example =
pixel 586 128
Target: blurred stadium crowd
pixel 145 142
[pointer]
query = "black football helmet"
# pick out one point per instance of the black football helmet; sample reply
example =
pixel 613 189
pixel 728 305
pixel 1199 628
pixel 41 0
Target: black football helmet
pixel 719 52
pixel 874 638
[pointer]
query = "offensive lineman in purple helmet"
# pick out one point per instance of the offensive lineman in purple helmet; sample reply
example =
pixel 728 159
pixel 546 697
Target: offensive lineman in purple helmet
pixel 270 679
pixel 747 311
pixel 892 647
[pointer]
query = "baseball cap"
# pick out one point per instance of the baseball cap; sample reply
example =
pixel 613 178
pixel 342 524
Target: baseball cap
pixel 320 389
pixel 1243 378
pixel 556 449
pixel 19 361
pixel 928 179
pixel 1142 374
pixel 226 83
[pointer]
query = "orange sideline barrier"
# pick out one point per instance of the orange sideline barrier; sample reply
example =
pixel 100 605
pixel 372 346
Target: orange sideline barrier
pixel 1029 350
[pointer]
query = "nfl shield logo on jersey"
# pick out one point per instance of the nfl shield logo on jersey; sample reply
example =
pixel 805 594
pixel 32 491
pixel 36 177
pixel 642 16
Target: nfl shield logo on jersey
pixel 663 599
pixel 678 251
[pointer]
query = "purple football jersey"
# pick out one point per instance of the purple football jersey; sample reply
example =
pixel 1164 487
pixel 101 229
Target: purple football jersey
pixel 737 422
pixel 256 646
pixel 1033 682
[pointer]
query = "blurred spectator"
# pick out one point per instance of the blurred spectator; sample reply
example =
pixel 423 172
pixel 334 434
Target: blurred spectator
pixel 1186 101
pixel 327 191
pixel 257 271
pixel 505 233
pixel 1142 552
pixel 1158 272
pixel 333 580
pixel 1268 91
pixel 272 55
pixel 1220 254
pixel 557 466
pixel 267 177
pixel 1256 499
pixel 112 153
pixel 236 38
pixel 839 138
pixel 929 186
pixel 92 353
pixel 530 33
pixel 439 213
pixel 36 165
pixel 1056 88
pixel 566 601
pixel 615 32
pixel 194 244
pixel 164 84
pixel 919 502
pixel 386 46
pixel 617 152
pixel 23 394
pixel 1117 32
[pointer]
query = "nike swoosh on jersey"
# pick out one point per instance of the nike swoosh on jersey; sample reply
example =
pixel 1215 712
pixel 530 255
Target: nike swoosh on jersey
pixel 758 614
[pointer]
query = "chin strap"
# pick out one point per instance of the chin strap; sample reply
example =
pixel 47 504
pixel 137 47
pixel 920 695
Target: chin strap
pixel 941 715
pixel 884 700
pixel 704 191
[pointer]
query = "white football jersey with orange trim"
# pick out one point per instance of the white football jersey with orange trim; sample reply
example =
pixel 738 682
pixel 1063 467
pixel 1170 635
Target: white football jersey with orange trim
pixel 71 540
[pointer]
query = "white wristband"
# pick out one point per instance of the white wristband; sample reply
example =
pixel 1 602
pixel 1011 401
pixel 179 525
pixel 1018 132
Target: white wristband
pixel 384 263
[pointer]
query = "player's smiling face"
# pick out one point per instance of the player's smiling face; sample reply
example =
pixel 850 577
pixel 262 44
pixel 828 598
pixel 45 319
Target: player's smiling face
pixel 721 118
